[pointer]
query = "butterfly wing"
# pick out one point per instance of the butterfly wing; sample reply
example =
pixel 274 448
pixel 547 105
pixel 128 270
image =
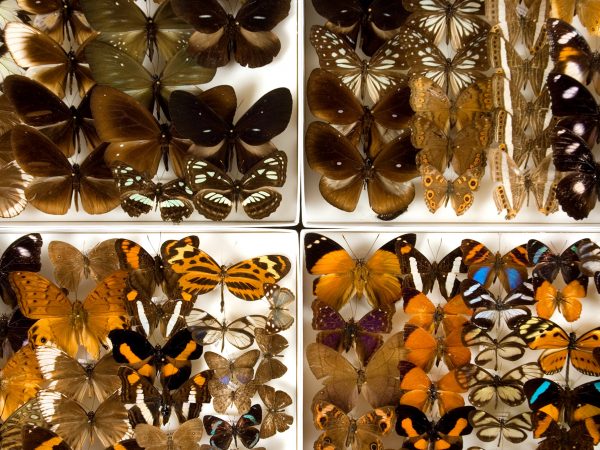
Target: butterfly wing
pixel 151 437
pixel 219 430
pixel 24 254
pixel 334 423
pixel 21 381
pixel 69 264
pixel 271 346
pixel 12 189
pixel 38 437
pixel 111 423
pixel 214 189
pixel 69 417
pixel 188 399
pixel 246 279
pixel 189 434
pixel 279 298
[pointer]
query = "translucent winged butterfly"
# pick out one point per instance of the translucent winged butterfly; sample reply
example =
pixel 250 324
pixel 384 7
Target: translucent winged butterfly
pixel 23 254
pixel 223 433
pixel 514 429
pixel 510 347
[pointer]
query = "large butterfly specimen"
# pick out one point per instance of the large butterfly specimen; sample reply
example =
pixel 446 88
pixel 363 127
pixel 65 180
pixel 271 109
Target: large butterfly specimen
pixel 24 254
pixel 21 380
pixel 185 437
pixel 566 300
pixel 223 433
pixel 247 37
pixel 275 420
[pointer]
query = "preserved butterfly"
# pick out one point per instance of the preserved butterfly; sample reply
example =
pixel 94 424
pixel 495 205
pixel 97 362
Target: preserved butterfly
pixel 485 267
pixel 420 432
pixel 560 347
pixel 520 24
pixel 588 254
pixel 79 426
pixel 222 433
pixel 548 265
pixel 339 429
pixel 372 77
pixel 510 347
pixel 134 32
pixel 57 181
pixel 279 318
pixel 423 274
pixel 23 254
pixel 587 11
pixel 27 415
pixel 139 194
pixel 247 36
pixel 71 265
pixel 423 313
pixel 559 437
pixel 343 383
pixel 148 314
pixel 12 189
pixel 490 310
pixel 173 359
pixel 66 324
pixel 239 370
pixel 424 349
pixel 438 190
pixel 39 107
pixel 21 380
pixel 47 61
pixel 185 437
pixel 532 115
pixel 341 276
pixel 419 391
pixel 14 328
pixel 216 134
pixel 216 193
pixel 224 395
pixel 345 172
pixel 364 334
pixel 513 429
pixel 271 347
pixel 566 300
pixel 275 420
pixel 33 438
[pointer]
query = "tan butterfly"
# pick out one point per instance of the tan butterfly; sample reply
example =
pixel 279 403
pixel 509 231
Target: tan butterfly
pixel 71 324
pixel 276 420
pixel 224 396
pixel 186 437
pixel 271 346
pixel 343 383
pixel 20 380
pixel 240 370
pixel 72 265
pixel 439 190
pixel 279 298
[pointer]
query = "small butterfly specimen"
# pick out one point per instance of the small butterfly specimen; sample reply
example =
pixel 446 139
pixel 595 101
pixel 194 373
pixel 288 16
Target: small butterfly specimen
pixel 341 276
pixel 271 347
pixel 24 254
pixel 67 324
pixel 224 395
pixel 339 429
pixel 511 347
pixel 57 181
pixel 423 313
pixel 521 23
pixel 222 433
pixel 21 380
pixel 14 328
pixel 588 12
pixel 276 420
pixel 71 265
pixel 424 349
pixel 247 36
pixel 279 318
pixel 439 190
pixel 566 300
pixel 548 265
pixel 239 370
pixel 207 330
pixel 185 437
pixel 148 314
pixel 513 429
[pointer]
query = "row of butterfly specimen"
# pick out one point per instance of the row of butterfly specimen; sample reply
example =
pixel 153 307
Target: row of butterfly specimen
pixel 86 372
pixel 434 372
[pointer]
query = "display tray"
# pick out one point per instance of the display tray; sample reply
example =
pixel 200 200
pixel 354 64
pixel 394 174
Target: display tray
pixel 434 246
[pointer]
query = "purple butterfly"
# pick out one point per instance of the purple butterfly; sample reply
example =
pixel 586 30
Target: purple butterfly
pixel 341 335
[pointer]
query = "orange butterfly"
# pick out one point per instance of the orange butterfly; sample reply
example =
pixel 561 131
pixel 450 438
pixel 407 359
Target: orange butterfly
pixel 20 380
pixel 566 300
pixel 424 349
pixel 70 324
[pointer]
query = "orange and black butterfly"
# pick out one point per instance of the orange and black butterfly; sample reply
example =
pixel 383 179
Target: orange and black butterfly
pixel 425 349
pixel 510 347
pixel 581 436
pixel 423 313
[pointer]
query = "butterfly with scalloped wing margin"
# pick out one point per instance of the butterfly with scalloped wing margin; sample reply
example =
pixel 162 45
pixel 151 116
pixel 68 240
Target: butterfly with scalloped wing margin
pixel 271 347
pixel 275 420
pixel 567 299
pixel 279 318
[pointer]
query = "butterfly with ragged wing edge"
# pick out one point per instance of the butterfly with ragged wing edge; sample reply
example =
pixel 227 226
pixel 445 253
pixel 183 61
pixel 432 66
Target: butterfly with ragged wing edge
pixel 339 429
pixel 421 433
pixel 423 349
pixel 577 436
pixel 14 328
pixel 247 36
pixel 239 370
pixel 386 173
pixel 271 347
pixel 279 318
pixel 566 300
pixel 23 254
pixel 20 381
pixel 514 429
pixel 224 395
pixel 340 334
pixel 67 324
pixel 343 383
pixel 185 437
pixel 548 265
pixel 222 433
pixel 341 275
pixel 210 126
pixel 510 347
pixel 275 420
pixel 57 181
pixel 587 11
pixel 423 313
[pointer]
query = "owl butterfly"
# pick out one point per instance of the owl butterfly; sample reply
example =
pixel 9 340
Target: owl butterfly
pixel 511 347
pixel 21 380
pixel 58 181
pixel 239 370
pixel 419 391
pixel 13 332
pixel 134 32
pixel 185 437
pixel 385 173
pixel 548 265
pixel 341 276
pixel 24 254
pixel 424 349
pixel 217 137
pixel 219 35
pixel 279 318
pixel 47 61
pixel 371 77
pixel 378 21
pixel 588 12
pixel 439 190
pixel 423 313
pixel 115 68
pixel 514 429
pixel 222 433
pixel 344 383
pixel 340 429
pixel 271 347
pixel 72 265
pixel 341 335
pixel 588 254
pixel 276 420
pixel 566 300
pixel 28 415
pixel 71 324
pixel 39 107
pixel 208 330
pixel 521 24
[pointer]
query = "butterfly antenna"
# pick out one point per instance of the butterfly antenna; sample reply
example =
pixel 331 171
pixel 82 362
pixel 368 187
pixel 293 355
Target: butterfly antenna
pixel 373 244
pixel 349 248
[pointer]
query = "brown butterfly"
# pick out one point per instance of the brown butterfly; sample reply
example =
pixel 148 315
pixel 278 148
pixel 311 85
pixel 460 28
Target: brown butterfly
pixel 20 380
pixel 185 437
pixel 279 298
pixel 439 190
pixel 239 370
pixel 226 395
pixel 276 420
pixel 58 181
pixel 271 346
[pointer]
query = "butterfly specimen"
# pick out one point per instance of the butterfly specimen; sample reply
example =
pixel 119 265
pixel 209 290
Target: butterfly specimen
pixel 439 190
pixel 420 432
pixel 222 433
pixel 78 426
pixel 210 126
pixel 485 267
pixel 271 347
pixel 139 194
pixel 340 429
pixel 341 335
pixel 14 328
pixel 514 429
pixel 560 348
pixel 58 181
pixel 24 254
pixel 511 347
pixel 343 383
pixel 224 395
pixel 567 300
pixel 39 107
pixel 21 380
pixel 37 437
pixel 275 420
pixel 71 324
pixel 548 265
pixel 239 370
pixel 371 77
pixel 559 437
pixel 521 23
pixel 135 33
pixel 71 265
pixel 80 382
pixel 345 172
pixel 173 359
pixel 279 318
pixel 216 193
pixel 588 254
pixel 47 61
pixel 149 314
pixel 185 437
pixel 587 11
pixel 428 316
pixel 424 349
pixel 27 415
pixel 342 276
pixel 12 189
pixel 419 391
pixel 247 36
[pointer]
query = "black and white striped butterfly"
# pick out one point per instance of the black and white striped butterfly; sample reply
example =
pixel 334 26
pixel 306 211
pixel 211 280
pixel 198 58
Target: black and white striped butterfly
pixel 489 428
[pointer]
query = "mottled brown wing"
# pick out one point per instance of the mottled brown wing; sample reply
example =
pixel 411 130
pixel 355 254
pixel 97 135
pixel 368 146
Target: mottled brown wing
pixel 275 420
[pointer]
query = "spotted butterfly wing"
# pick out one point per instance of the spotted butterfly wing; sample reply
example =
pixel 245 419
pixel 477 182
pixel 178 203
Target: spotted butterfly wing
pixel 24 254
pixel 279 298
pixel 222 432
pixel 439 190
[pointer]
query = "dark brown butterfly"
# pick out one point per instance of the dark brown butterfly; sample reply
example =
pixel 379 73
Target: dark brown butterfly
pixel 58 181
pixel 222 433
pixel 13 332
pixel 276 420
pixel 247 36
pixel 24 254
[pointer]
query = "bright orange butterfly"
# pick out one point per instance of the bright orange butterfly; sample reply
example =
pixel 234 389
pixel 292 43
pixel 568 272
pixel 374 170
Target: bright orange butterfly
pixel 566 300
pixel 20 380
pixel 424 349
